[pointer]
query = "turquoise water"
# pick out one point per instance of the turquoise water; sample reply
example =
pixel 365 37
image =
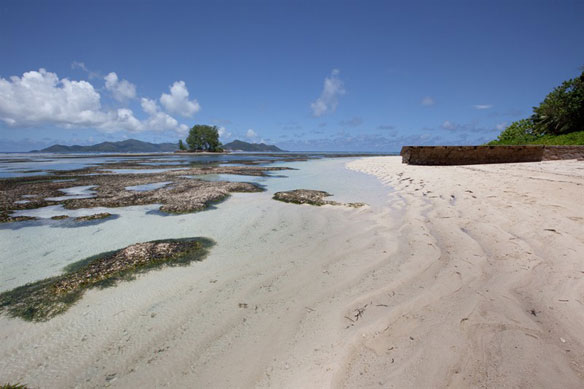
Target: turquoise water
pixel 29 164
pixel 34 250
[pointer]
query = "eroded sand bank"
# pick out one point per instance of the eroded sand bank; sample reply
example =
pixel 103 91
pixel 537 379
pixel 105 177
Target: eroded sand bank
pixel 471 276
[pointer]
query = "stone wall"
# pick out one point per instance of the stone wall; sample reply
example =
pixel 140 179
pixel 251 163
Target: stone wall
pixel 562 152
pixel 471 155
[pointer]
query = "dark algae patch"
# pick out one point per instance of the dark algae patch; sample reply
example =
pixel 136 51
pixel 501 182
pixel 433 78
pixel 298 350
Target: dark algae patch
pixel 96 216
pixel 43 300
pixel 303 196
pixel 312 197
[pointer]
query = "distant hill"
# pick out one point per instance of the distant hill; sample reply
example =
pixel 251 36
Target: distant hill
pixel 238 145
pixel 125 146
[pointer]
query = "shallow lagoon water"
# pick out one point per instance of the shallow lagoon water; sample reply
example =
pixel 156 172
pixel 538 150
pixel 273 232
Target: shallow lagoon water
pixel 141 171
pixel 33 164
pixel 75 192
pixel 40 250
pixel 147 187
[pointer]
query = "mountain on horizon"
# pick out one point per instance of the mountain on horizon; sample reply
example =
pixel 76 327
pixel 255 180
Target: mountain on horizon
pixel 238 145
pixel 125 146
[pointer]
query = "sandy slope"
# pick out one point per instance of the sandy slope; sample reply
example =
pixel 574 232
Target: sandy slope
pixel 493 294
pixel 472 276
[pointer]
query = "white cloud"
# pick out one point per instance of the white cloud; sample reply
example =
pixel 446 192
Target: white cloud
pixel 427 101
pixel 149 106
pixel 40 98
pixel 251 134
pixel 501 126
pixel 122 90
pixel 482 106
pixel 329 98
pixel 223 133
pixel 158 120
pixel 81 65
pixel 178 102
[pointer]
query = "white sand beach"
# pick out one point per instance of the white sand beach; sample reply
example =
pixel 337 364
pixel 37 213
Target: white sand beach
pixel 471 276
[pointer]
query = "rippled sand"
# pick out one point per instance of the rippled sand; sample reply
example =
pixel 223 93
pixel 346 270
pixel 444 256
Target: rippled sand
pixel 464 276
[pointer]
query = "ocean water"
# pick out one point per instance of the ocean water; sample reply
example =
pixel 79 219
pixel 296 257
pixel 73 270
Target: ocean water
pixel 30 164
pixel 33 251
pixel 75 192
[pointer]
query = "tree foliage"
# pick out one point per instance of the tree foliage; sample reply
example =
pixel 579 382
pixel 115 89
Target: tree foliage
pixel 518 133
pixel 562 111
pixel 204 138
pixel 181 145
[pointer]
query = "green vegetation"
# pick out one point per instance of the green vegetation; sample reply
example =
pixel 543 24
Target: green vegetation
pixel 204 138
pixel 518 133
pixel 558 120
pixel 181 145
pixel 573 138
pixel 13 386
pixel 44 299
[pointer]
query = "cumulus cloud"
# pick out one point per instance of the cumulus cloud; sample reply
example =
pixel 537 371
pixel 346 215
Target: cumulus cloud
pixel 158 120
pixel 251 134
pixel 40 98
pixel 427 101
pixel 482 106
pixel 122 90
pixel 223 133
pixel 178 102
pixel 329 97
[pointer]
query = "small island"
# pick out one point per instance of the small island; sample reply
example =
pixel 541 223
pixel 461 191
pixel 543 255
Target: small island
pixel 125 146
pixel 238 145
pixel 203 138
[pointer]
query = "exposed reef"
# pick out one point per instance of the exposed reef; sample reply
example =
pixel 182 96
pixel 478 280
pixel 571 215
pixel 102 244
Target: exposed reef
pixel 96 216
pixel 6 218
pixel 181 195
pixel 42 300
pixel 312 197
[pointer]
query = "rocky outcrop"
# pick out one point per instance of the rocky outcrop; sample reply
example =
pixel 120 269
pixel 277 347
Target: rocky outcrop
pixel 6 218
pixel 42 300
pixel 182 195
pixel 311 197
pixel 95 216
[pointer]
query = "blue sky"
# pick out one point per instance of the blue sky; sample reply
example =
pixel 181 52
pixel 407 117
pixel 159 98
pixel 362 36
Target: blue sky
pixel 305 75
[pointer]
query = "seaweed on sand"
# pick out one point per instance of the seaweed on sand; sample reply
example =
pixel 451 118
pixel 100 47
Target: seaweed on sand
pixel 44 299
pixel 312 197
